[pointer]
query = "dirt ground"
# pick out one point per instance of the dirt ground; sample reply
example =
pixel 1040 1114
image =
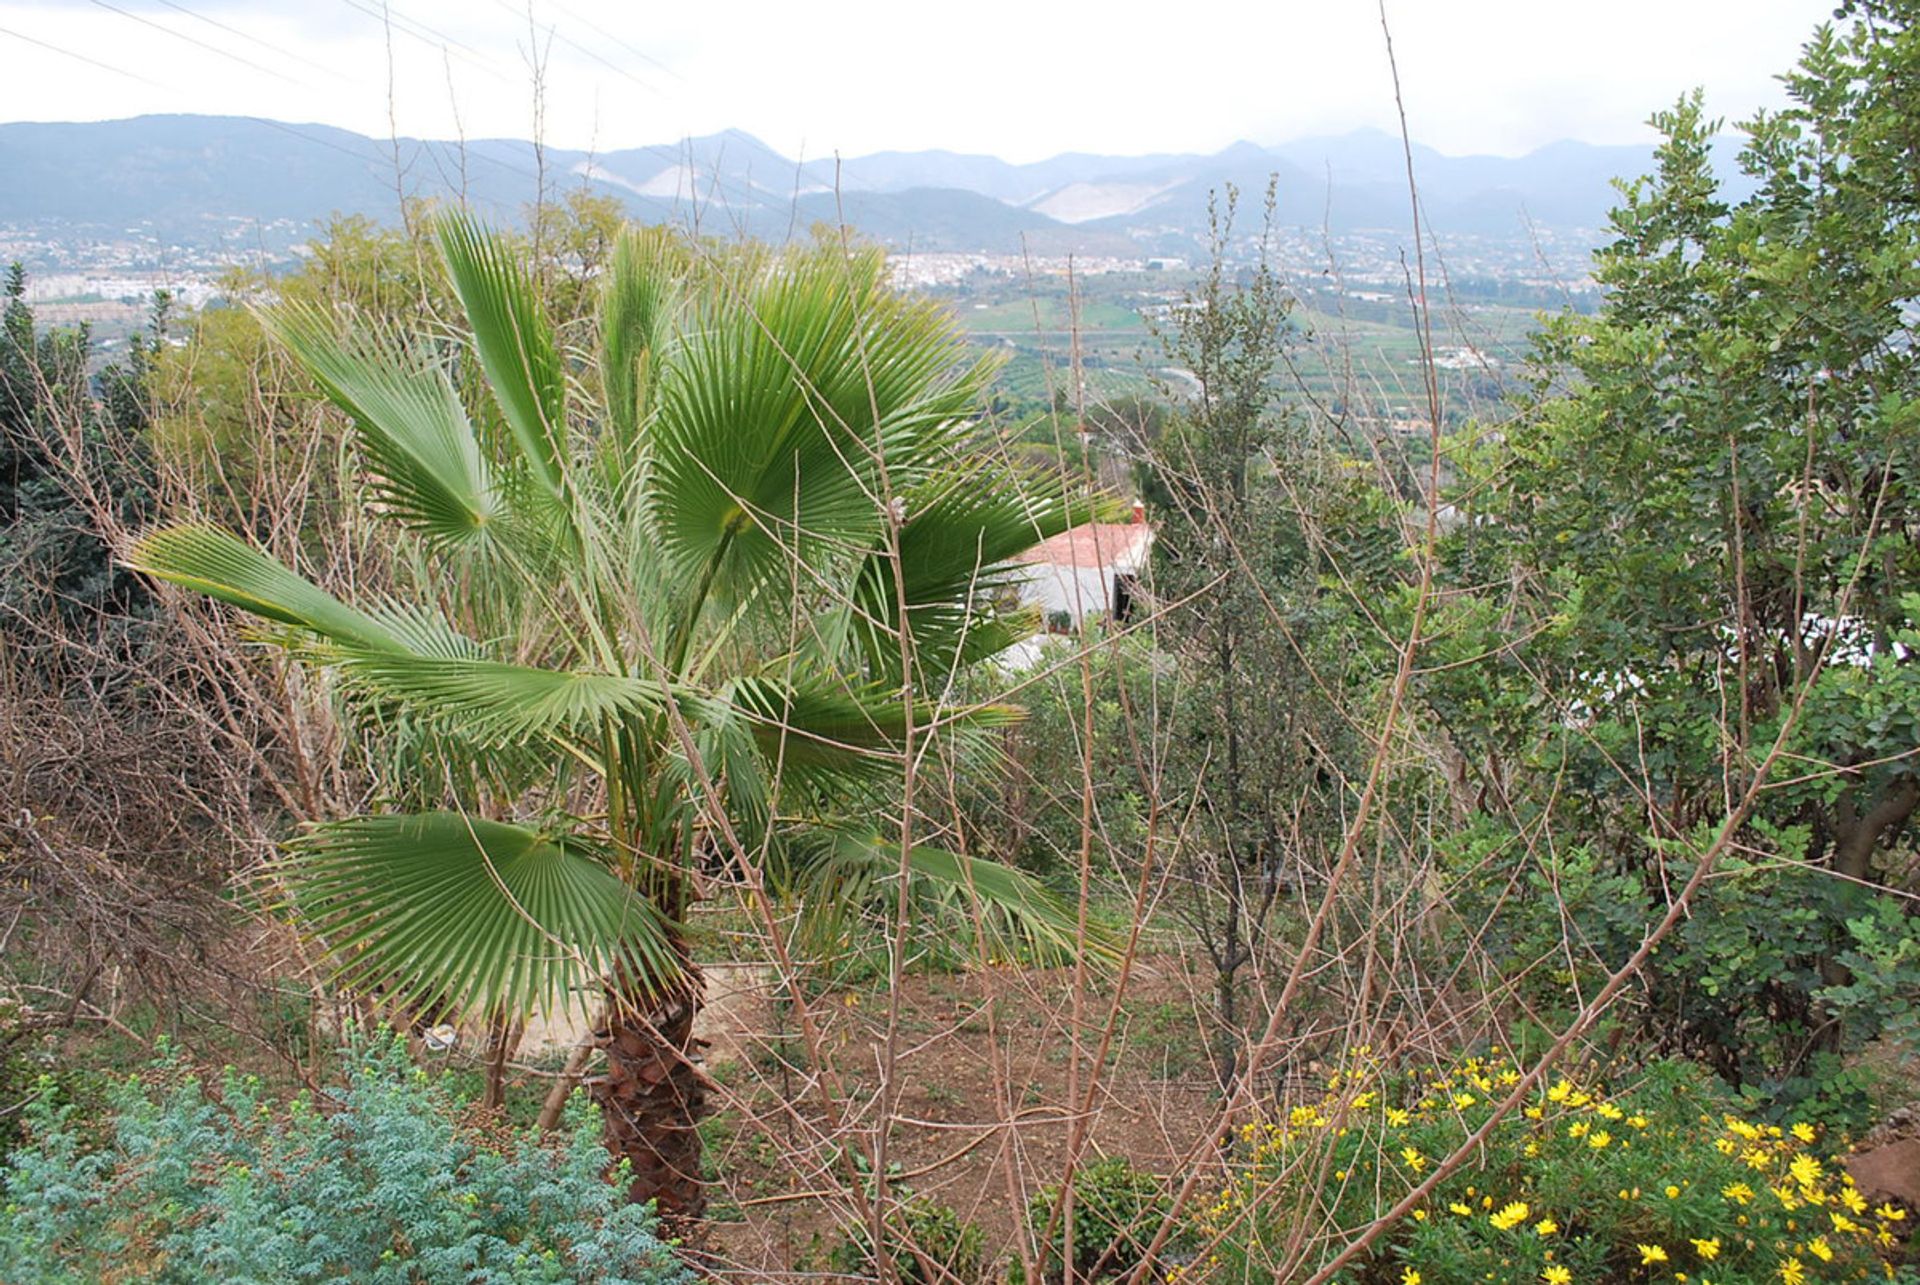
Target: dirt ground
pixel 982 1109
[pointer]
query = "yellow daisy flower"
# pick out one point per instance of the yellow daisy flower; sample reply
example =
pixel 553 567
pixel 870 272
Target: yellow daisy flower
pixel 1511 1215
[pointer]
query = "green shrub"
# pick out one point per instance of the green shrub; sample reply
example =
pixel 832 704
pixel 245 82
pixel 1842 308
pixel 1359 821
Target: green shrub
pixel 1778 978
pixel 388 1188
pixel 1116 1211
pixel 927 1242
pixel 1658 1181
pixel 31 1070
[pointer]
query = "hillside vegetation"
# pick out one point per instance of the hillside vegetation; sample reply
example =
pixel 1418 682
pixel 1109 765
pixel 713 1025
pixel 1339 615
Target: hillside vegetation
pixel 532 750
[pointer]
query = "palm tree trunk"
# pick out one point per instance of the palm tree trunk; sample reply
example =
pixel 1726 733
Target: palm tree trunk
pixel 653 1095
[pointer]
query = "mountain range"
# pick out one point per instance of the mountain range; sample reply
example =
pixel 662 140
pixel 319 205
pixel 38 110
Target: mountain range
pixel 184 178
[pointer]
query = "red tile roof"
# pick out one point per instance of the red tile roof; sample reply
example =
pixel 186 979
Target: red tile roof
pixel 1092 544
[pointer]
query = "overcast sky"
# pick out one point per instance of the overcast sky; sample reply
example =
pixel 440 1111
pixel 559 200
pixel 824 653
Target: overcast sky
pixel 1021 79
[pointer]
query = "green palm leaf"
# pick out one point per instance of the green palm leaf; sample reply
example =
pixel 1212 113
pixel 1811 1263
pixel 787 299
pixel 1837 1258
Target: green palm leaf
pixel 835 870
pixel 516 344
pixel 223 567
pixel 778 409
pixel 406 656
pixel 956 550
pixel 493 701
pixel 426 463
pixel 822 730
pixel 480 917
pixel 637 308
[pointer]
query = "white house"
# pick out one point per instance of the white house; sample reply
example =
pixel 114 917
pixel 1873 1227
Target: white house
pixel 1088 572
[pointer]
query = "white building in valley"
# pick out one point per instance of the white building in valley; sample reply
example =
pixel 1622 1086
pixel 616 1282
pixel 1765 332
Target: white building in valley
pixel 1087 573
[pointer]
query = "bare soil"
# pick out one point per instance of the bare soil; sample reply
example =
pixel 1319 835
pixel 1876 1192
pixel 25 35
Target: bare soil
pixel 983 1103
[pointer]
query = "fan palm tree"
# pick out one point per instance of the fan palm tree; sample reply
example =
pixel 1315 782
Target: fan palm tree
pixel 698 608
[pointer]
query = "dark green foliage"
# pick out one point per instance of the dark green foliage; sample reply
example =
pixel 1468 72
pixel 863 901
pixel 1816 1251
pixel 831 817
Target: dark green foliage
pixel 1117 1211
pixel 1229 483
pixel 1700 533
pixel 928 1243
pixel 32 1069
pixel 58 580
pixel 1026 808
pixel 376 1183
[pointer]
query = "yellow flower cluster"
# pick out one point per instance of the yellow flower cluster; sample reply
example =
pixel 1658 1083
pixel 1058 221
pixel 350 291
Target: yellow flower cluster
pixel 1377 1133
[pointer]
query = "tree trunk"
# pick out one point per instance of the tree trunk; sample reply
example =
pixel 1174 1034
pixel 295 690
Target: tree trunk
pixel 503 1038
pixel 1856 836
pixel 653 1096
pixel 569 1078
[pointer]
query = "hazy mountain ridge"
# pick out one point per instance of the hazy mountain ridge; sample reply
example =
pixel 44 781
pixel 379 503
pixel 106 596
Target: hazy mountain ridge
pixel 173 173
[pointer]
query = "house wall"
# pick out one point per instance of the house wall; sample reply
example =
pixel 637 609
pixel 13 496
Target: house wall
pixel 1081 592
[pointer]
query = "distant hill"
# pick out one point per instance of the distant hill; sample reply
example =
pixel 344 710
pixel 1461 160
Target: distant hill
pixel 187 178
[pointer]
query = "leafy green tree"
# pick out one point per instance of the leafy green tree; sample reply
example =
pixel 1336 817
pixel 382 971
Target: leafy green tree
pixel 698 610
pixel 71 438
pixel 1233 566
pixel 1707 526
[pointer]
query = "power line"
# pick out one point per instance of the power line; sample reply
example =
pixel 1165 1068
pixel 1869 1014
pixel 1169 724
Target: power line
pixel 713 181
pixel 281 126
pixel 565 39
pixel 264 44
pixel 427 36
pixel 642 55
pixel 437 33
pixel 181 35
pixel 285 128
pixel 615 68
pixel 68 53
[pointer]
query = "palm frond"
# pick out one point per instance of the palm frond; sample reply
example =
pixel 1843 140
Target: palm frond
pixel 443 911
pixel 823 730
pixel 405 655
pixel 832 871
pixel 730 758
pixel 499 702
pixel 209 560
pixel 779 407
pixel 426 462
pixel 957 546
pixel 516 344
pixel 637 307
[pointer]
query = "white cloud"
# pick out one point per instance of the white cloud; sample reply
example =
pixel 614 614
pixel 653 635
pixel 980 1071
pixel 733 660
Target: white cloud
pixel 1018 78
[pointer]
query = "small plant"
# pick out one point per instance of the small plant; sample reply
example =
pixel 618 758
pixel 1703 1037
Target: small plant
pixel 1117 1209
pixel 387 1189
pixel 927 1242
pixel 944 1095
pixel 1660 1181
